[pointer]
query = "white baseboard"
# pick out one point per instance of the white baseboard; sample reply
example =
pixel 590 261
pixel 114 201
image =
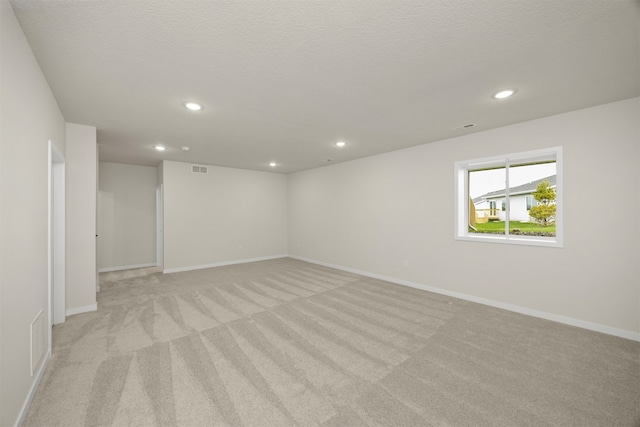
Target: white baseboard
pixel 33 389
pixel 126 267
pixel 85 309
pixel 221 264
pixel 622 333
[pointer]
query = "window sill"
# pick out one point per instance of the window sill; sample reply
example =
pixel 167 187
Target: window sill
pixel 512 240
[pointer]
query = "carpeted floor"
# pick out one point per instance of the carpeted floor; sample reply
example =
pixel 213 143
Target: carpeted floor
pixel 285 342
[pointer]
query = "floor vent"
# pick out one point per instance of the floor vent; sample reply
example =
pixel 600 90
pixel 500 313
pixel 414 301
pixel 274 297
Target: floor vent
pixel 199 169
pixel 38 337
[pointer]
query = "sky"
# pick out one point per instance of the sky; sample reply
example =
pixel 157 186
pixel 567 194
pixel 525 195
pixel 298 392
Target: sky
pixel 483 182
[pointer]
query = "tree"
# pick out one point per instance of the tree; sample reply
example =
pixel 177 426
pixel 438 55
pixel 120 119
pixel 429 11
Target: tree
pixel 544 213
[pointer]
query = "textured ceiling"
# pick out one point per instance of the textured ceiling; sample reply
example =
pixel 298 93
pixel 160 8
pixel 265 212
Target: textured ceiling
pixel 284 80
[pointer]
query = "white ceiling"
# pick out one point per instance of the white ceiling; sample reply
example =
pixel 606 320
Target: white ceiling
pixel 284 80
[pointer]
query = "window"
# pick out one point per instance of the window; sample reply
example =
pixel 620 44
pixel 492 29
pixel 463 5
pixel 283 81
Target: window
pixel 531 202
pixel 527 187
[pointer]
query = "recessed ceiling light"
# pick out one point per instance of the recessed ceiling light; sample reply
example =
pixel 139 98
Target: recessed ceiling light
pixel 340 144
pixel 186 148
pixel 193 106
pixel 160 148
pixel 504 94
pixel 273 164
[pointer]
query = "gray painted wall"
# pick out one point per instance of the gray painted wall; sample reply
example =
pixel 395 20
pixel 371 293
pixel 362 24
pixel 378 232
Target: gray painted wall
pixel 81 211
pixel 30 117
pixel 127 216
pixel 223 216
pixel 372 214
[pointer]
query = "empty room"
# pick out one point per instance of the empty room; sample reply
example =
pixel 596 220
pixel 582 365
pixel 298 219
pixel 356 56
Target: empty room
pixel 320 213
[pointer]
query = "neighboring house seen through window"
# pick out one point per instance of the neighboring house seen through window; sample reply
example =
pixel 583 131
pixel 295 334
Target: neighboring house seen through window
pixel 528 188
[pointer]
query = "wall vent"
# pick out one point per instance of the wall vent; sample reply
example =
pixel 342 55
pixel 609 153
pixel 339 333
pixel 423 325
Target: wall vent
pixel 38 341
pixel 199 169
pixel 467 126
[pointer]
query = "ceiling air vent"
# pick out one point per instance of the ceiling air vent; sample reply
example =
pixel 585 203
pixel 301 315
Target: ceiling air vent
pixel 467 126
pixel 199 169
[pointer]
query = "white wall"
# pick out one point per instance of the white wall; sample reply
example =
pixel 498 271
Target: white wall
pixel 227 215
pixel 372 214
pixel 29 117
pixel 81 199
pixel 127 216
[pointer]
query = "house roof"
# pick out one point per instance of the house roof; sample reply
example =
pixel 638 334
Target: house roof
pixel 527 188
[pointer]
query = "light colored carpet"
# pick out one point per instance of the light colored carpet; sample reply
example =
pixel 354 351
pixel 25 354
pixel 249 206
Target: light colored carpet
pixel 285 342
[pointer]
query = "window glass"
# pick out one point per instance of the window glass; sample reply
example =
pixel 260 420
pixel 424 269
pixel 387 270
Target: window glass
pixel 528 181
pixel 482 184
pixel 515 198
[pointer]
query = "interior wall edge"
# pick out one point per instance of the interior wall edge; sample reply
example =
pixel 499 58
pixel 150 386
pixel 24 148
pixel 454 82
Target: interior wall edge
pixel 596 327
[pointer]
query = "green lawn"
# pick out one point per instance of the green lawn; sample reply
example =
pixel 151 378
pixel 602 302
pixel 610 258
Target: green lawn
pixel 524 227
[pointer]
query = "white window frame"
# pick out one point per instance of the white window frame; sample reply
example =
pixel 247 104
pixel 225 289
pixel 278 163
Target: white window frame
pixel 461 197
